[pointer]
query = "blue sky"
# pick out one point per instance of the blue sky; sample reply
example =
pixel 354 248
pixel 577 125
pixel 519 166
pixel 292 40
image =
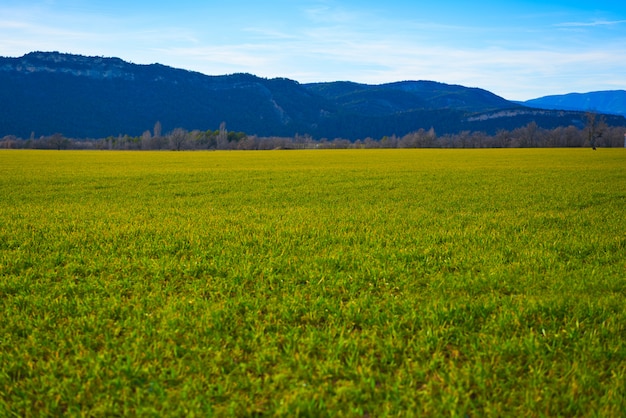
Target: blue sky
pixel 516 49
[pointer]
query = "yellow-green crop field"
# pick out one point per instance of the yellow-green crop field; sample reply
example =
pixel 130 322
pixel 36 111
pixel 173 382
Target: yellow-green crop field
pixel 313 283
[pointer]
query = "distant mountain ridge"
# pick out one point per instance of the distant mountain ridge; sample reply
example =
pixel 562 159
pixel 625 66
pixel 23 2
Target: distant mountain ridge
pixel 610 101
pixel 43 93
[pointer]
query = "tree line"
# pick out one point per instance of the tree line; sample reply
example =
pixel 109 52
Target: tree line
pixel 596 133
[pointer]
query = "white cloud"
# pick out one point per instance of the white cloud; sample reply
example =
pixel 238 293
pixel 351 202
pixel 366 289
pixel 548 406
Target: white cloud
pixel 591 24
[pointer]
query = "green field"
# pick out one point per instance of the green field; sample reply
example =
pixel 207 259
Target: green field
pixel 314 283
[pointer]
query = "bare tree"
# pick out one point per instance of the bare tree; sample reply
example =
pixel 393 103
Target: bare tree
pixel 595 128
pixel 9 141
pixel 58 141
pixel 222 137
pixel 146 140
pixel 157 129
pixel 178 138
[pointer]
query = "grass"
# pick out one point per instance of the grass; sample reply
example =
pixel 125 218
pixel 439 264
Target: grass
pixel 313 283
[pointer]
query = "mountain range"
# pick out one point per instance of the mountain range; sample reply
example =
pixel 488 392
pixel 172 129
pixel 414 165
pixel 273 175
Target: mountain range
pixel 42 93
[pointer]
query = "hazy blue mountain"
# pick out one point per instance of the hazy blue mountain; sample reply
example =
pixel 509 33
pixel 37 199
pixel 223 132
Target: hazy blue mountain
pixel 610 101
pixel 43 93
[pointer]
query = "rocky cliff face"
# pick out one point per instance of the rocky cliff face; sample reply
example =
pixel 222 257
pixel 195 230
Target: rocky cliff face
pixel 76 65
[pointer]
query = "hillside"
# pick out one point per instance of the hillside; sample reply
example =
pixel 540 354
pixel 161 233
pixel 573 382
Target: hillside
pixel 611 102
pixel 97 97
pixel 92 97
